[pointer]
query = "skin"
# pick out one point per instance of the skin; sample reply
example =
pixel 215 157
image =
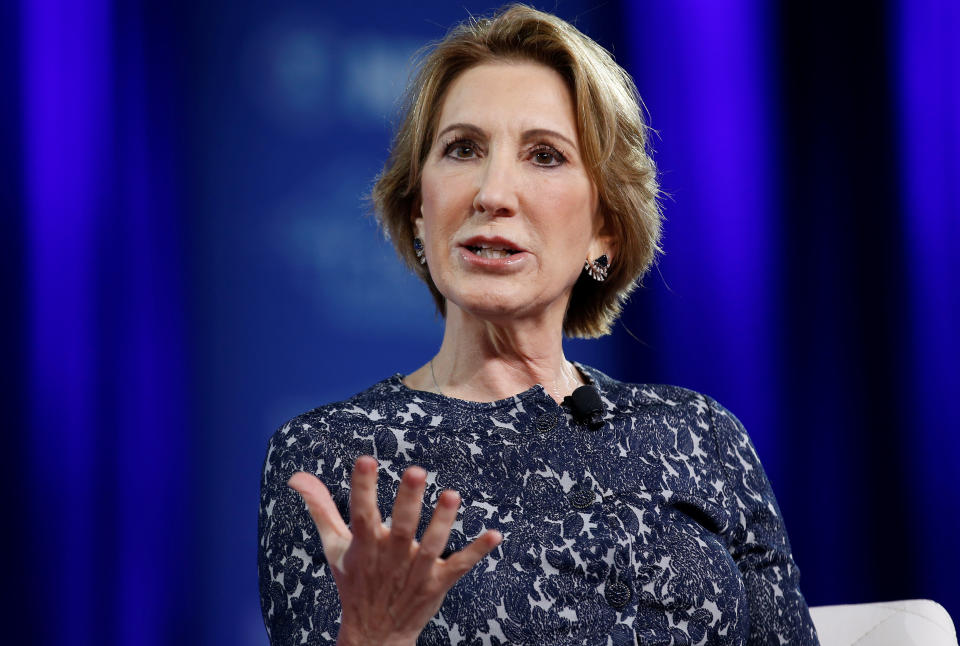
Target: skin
pixel 505 164
pixel 516 173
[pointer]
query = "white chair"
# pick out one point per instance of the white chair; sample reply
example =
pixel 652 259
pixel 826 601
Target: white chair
pixel 917 622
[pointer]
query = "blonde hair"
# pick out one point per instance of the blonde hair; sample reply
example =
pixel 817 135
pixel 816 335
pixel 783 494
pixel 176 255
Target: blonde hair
pixel 614 140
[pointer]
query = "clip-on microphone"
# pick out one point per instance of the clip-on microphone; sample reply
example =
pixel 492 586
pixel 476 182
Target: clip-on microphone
pixel 585 405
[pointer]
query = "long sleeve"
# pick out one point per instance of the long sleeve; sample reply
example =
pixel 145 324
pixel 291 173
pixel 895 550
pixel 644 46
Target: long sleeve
pixel 758 542
pixel 297 591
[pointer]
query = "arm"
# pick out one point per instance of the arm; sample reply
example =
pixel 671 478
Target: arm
pixel 296 586
pixel 757 540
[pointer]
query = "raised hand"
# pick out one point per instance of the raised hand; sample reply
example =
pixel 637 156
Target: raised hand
pixel 389 584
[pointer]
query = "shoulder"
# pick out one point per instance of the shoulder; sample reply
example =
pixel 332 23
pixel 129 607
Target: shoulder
pixel 669 402
pixel 340 429
pixel 371 404
pixel 624 396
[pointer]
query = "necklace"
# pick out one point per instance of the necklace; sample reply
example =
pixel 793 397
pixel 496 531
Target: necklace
pixel 556 388
pixel 434 376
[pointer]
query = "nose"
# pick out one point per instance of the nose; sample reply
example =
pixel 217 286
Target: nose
pixel 496 187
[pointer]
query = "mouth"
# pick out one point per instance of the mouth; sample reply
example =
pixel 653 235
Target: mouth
pixel 492 248
pixel 492 252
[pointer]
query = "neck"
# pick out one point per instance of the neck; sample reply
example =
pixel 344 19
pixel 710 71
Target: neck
pixel 483 361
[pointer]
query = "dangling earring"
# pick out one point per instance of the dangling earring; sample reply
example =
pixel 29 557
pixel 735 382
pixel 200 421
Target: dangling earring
pixel 418 249
pixel 598 268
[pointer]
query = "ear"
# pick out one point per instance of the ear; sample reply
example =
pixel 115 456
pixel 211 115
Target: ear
pixel 416 218
pixel 604 242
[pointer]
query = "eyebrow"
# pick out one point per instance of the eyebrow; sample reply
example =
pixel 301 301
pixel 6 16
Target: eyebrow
pixel 526 134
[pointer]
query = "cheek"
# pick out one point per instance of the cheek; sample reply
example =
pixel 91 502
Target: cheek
pixel 572 206
pixel 438 226
pixel 442 199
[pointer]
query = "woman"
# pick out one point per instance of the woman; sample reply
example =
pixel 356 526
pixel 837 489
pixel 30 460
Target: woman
pixel 520 189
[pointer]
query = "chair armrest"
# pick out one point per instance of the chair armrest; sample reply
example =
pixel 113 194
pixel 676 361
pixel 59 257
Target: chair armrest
pixel 919 622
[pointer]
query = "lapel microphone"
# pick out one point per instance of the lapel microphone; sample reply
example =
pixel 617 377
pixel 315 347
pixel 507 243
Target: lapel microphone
pixel 585 405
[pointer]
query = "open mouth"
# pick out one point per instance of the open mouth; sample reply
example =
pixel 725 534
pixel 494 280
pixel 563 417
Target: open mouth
pixel 491 252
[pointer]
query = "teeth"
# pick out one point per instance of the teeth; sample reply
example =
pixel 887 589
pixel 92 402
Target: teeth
pixel 492 253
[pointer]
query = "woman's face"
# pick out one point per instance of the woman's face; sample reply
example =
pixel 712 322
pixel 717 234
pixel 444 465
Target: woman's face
pixel 508 212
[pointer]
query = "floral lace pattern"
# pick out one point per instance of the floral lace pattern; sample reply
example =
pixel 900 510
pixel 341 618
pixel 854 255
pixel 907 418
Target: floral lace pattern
pixel 659 527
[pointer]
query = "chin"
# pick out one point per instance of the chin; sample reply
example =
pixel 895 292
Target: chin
pixel 492 307
pixel 499 307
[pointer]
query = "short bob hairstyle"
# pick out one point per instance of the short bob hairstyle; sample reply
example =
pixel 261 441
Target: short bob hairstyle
pixel 614 139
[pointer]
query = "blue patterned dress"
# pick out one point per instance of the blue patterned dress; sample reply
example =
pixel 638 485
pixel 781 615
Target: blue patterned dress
pixel 659 527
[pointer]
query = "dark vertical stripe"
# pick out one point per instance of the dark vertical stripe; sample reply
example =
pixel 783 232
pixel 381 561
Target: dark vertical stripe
pixel 843 298
pixel 17 541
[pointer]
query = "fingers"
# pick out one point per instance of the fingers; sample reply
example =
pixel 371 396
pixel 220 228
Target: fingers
pixel 320 504
pixel 459 563
pixel 406 508
pixel 438 531
pixel 365 518
pixel 435 539
pixel 366 524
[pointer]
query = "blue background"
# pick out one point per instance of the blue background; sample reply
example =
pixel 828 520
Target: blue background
pixel 188 261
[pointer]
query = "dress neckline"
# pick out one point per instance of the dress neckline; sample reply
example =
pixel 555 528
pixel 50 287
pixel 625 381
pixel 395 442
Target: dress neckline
pixel 535 392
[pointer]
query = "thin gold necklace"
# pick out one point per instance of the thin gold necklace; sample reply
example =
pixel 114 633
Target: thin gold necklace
pixel 434 375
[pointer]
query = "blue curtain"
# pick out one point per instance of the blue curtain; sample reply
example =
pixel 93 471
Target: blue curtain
pixel 811 279
pixel 105 461
pixel 926 74
pixel 188 262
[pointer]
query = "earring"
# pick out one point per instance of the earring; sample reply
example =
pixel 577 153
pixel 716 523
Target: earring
pixel 418 249
pixel 598 268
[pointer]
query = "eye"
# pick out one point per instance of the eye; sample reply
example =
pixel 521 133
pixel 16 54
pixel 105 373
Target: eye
pixel 460 149
pixel 548 156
